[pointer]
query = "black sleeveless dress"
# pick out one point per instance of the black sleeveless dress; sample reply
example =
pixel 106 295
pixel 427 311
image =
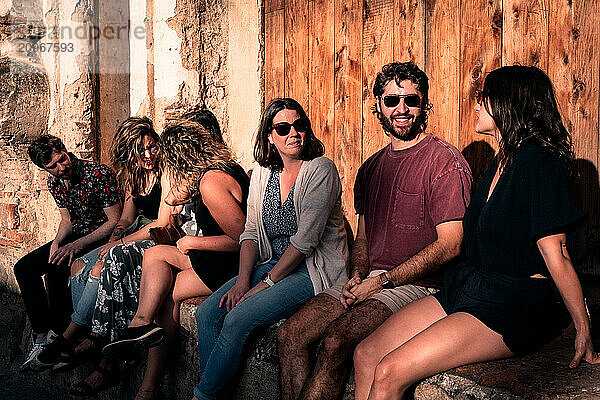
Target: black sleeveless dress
pixel 215 268
pixel 148 205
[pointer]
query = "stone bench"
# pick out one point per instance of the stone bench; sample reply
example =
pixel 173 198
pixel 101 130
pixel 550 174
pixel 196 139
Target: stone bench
pixel 541 375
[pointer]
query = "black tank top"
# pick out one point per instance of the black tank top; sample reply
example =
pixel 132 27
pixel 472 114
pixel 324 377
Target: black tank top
pixel 215 268
pixel 205 220
pixel 148 205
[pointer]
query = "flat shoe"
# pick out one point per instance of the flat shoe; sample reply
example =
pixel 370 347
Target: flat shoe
pixel 134 340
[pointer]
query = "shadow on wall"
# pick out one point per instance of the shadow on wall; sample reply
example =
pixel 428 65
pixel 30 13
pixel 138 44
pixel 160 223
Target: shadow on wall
pixel 584 247
pixel 478 154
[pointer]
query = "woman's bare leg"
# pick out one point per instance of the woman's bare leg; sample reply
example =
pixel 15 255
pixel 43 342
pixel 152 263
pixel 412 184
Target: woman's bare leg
pixel 455 340
pixel 187 284
pixel 157 279
pixel 398 329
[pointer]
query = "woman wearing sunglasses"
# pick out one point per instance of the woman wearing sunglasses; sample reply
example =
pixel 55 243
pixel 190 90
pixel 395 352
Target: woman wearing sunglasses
pixel 517 288
pixel 293 246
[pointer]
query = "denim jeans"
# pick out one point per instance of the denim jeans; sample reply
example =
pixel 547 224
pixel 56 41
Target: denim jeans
pixel 222 335
pixel 84 289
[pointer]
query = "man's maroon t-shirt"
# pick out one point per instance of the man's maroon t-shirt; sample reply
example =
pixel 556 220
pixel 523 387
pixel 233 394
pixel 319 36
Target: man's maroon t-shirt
pixel 404 194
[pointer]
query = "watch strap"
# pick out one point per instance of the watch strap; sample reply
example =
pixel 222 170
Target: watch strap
pixel 385 282
pixel 266 278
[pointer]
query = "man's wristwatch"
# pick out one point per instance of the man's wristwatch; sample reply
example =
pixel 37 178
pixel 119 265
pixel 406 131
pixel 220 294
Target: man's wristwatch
pixel 385 282
pixel 266 278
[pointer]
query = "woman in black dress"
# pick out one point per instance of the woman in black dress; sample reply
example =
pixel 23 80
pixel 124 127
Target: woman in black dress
pixel 516 288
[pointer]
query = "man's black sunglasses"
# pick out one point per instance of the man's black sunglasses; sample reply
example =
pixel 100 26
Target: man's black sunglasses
pixel 392 100
pixel 283 128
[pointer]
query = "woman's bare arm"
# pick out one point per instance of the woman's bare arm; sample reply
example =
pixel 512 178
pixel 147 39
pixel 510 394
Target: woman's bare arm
pixel 554 251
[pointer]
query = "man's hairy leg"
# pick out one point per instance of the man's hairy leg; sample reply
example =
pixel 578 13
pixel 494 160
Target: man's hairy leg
pixel 295 337
pixel 335 354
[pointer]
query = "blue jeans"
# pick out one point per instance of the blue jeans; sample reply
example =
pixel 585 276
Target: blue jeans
pixel 222 335
pixel 84 290
pixel 84 287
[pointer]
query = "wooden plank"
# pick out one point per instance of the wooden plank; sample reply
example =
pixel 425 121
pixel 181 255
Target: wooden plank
pixel 525 32
pixel 274 55
pixel 574 71
pixel 443 68
pixel 377 50
pixel 273 5
pixel 320 79
pixel 348 95
pixel 296 51
pixel 480 38
pixel 409 31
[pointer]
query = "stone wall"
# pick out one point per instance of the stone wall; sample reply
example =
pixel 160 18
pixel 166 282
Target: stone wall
pixel 76 72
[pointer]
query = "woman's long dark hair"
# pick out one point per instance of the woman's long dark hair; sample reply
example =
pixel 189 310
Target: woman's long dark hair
pixel 265 153
pixel 523 106
pixel 124 157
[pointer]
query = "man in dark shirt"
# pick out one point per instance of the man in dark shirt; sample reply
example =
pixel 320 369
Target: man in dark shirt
pixel 410 198
pixel 89 203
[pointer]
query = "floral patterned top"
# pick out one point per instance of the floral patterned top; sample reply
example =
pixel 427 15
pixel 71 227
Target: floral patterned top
pixel 93 187
pixel 279 219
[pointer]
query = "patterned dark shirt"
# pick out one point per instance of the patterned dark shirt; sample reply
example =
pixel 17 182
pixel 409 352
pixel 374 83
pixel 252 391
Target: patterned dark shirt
pixel 279 219
pixel 93 187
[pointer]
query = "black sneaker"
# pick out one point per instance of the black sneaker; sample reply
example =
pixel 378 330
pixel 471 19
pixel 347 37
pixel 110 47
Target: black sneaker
pixel 134 339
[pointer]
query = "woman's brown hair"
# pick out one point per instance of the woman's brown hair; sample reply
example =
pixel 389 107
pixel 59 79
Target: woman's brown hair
pixel 265 153
pixel 124 154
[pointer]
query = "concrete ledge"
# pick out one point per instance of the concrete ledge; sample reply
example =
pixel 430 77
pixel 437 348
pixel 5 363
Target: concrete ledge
pixel 542 375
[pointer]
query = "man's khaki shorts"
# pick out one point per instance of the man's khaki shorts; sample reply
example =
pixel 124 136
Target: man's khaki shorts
pixel 395 298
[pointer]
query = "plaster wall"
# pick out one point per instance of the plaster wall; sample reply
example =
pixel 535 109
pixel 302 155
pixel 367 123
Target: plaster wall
pixel 42 92
pixel 244 63
pixel 138 60
pixel 193 52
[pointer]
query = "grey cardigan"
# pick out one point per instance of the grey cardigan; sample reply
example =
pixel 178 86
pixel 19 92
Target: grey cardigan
pixel 321 235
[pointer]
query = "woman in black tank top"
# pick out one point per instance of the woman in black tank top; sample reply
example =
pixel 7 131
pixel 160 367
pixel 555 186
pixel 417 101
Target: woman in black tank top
pixel 200 169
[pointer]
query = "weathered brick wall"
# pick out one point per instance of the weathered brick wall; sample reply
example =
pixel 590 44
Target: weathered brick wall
pixel 192 52
pixel 24 110
pixel 40 92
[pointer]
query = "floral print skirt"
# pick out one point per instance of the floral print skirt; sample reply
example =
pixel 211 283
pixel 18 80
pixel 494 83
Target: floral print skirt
pixel 119 289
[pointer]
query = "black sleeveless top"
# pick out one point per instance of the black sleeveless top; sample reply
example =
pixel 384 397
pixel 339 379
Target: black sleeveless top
pixel 148 205
pixel 215 268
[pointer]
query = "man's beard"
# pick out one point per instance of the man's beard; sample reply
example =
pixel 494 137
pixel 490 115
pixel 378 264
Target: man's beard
pixel 405 133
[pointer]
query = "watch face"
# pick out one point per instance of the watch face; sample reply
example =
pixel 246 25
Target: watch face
pixel 387 285
pixel 267 279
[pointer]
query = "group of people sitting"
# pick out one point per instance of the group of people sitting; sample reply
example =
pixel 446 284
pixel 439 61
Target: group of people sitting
pixel 437 276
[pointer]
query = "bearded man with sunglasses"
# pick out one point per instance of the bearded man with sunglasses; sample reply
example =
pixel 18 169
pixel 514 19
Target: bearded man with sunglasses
pixel 410 198
pixel 89 201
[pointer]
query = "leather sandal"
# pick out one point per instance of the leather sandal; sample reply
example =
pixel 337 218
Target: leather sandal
pixel 110 378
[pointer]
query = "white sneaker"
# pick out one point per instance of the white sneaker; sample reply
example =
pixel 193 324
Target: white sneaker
pixel 36 348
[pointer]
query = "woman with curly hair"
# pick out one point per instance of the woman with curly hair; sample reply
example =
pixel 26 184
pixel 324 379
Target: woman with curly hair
pixel 202 170
pixel 516 289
